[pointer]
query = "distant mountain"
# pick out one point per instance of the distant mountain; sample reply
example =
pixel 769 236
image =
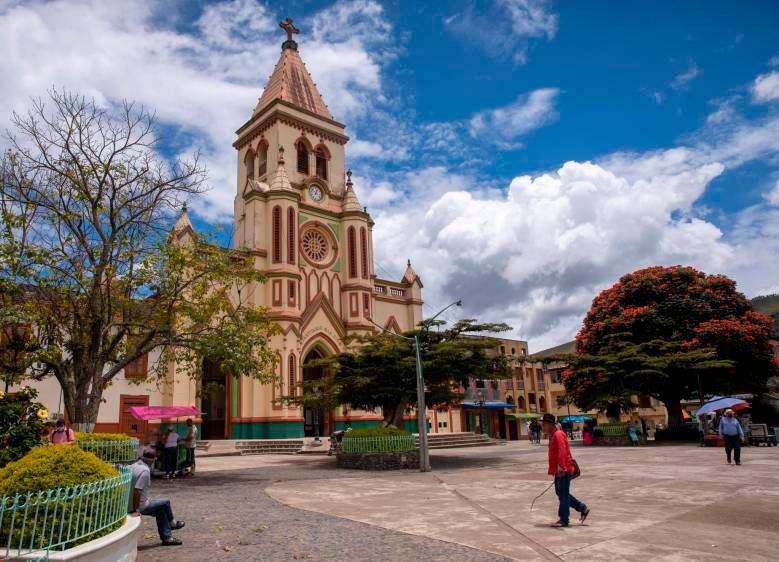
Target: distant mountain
pixel 769 304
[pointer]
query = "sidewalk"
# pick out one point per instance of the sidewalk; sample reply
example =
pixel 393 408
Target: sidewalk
pixel 647 503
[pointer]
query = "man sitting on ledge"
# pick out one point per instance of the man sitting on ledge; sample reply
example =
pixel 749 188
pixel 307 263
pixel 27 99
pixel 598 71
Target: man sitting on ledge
pixel 140 504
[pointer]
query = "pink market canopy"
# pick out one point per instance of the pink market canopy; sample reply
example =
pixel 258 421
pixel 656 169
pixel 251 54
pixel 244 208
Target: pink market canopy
pixel 163 412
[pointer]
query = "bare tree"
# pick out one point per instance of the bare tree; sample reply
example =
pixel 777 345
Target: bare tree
pixel 87 261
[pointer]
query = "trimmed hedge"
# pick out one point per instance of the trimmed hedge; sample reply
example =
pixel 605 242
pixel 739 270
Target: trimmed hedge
pixel 375 432
pixel 56 466
pixel 81 436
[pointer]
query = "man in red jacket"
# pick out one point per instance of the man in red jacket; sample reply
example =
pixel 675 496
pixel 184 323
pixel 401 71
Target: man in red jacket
pixel 561 467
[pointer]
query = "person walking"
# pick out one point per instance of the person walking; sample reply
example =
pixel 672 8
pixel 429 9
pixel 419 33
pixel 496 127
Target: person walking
pixel 731 431
pixel 191 442
pixel 632 434
pixel 535 429
pixel 62 434
pixel 171 442
pixel 562 468
pixel 140 504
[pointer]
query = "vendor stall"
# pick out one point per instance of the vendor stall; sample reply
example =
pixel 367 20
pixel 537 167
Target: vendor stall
pixel 170 415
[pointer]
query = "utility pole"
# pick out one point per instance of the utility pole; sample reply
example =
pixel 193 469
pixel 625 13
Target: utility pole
pixel 424 453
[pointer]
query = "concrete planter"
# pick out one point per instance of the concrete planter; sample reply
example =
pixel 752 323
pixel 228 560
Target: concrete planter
pixel 119 546
pixel 378 461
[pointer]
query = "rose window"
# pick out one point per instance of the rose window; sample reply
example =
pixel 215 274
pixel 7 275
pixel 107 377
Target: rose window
pixel 315 246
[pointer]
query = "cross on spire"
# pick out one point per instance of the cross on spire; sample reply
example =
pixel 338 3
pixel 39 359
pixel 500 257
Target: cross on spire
pixel 287 26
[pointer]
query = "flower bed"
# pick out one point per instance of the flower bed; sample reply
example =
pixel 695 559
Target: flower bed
pixel 378 449
pixel 56 498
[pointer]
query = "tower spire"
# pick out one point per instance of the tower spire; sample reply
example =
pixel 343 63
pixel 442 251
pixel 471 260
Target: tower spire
pixel 290 81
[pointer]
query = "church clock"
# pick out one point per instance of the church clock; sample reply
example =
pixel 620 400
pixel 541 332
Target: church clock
pixel 315 192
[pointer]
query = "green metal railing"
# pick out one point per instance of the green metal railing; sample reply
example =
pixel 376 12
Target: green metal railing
pixel 119 451
pixel 613 429
pixel 57 519
pixel 388 444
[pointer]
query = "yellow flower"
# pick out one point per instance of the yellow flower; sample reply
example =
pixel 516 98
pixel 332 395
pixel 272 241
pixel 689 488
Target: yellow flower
pixel 43 414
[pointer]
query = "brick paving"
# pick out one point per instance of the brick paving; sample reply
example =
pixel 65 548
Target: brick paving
pixel 230 517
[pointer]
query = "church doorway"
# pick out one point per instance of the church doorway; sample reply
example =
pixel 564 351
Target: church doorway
pixel 214 392
pixel 316 421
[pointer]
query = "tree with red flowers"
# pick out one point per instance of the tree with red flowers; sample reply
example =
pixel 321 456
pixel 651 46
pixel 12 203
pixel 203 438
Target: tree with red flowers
pixel 670 333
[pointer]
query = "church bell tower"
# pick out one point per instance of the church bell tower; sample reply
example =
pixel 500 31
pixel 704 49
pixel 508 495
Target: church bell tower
pixel 295 205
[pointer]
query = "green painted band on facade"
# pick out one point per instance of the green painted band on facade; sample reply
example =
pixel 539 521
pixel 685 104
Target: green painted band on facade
pixel 267 430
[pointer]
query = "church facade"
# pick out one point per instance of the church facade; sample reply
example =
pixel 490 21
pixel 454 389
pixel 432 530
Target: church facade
pixel 298 214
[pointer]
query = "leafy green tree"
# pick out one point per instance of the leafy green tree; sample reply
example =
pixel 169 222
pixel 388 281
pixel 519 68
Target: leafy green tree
pixel 671 333
pixel 89 265
pixel 380 372
pixel 22 422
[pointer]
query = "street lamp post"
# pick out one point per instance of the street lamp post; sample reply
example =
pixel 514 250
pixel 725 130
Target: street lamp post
pixel 424 452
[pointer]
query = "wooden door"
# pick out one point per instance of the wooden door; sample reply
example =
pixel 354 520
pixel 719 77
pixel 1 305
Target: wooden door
pixel 127 423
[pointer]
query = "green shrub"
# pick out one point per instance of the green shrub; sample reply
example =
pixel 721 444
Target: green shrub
pixel 59 466
pixel 56 466
pixel 378 440
pixel 81 436
pixel 375 432
pixel 21 424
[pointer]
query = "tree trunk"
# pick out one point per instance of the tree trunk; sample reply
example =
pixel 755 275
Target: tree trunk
pixel 393 416
pixel 613 411
pixel 82 403
pixel 674 407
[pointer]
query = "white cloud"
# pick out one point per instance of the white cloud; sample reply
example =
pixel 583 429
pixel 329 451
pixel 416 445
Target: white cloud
pixel 765 88
pixel 204 83
pixel 536 253
pixel 505 125
pixel 773 196
pixel 682 80
pixel 505 27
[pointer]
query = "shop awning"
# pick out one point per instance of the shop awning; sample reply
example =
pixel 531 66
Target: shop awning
pixel 486 405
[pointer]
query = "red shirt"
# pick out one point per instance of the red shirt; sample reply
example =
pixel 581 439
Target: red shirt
pixel 560 453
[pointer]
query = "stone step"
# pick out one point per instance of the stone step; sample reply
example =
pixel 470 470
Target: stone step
pixel 454 440
pixel 460 445
pixel 245 452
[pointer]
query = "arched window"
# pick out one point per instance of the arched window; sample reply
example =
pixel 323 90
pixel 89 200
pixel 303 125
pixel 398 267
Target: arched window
pixel 293 380
pixel 276 234
pixel 521 402
pixel 291 235
pixel 542 403
pixel 321 164
pixel 302 158
pixel 262 160
pixel 352 252
pixel 248 161
pixel 364 252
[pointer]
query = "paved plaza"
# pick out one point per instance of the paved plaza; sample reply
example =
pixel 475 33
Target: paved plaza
pixel 652 503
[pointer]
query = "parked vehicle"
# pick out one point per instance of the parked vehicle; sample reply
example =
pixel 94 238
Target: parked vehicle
pixel 336 440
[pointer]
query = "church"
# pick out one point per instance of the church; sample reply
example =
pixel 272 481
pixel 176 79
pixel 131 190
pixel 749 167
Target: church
pixel 297 212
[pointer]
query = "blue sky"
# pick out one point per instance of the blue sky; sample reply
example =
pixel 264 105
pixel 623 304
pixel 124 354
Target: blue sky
pixel 523 153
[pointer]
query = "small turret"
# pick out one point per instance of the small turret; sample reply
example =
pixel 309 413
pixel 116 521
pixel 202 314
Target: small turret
pixel 280 181
pixel 351 203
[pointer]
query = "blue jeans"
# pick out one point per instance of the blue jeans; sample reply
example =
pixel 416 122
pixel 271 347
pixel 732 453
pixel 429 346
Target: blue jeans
pixel 162 511
pixel 562 487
